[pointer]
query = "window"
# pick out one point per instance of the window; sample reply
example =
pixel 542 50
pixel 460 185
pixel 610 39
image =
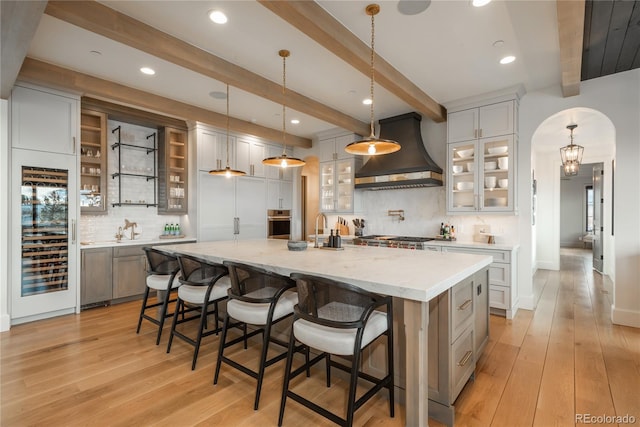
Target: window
pixel 589 208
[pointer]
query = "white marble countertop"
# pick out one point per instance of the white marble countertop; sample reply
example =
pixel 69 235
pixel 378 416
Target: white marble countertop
pixel 127 242
pixel 412 275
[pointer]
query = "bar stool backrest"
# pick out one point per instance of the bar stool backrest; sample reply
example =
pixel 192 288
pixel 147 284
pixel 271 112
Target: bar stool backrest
pixel 256 285
pixel 161 263
pixel 334 304
pixel 197 271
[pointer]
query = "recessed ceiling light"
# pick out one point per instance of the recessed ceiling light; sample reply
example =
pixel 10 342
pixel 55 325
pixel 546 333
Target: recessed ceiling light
pixel 148 71
pixel 480 3
pixel 507 59
pixel 367 101
pixel 218 95
pixel 295 121
pixel 218 17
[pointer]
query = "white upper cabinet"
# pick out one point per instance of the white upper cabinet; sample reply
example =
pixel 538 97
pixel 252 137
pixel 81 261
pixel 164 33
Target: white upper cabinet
pixel 481 159
pixel 463 125
pixel 249 156
pixel 496 120
pixel 482 122
pixel 212 150
pixel 44 121
pixel 333 148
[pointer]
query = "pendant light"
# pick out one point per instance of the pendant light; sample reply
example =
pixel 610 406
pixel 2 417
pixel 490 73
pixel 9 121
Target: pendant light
pixel 372 146
pixel 571 155
pixel 283 160
pixel 228 172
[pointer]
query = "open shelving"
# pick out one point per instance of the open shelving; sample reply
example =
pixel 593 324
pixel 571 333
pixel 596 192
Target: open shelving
pixel 151 176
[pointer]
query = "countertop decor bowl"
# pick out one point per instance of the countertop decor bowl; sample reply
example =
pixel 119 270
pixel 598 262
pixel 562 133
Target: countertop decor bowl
pixel 297 245
pixel 464 186
pixel 497 150
pixel 457 168
pixel 465 153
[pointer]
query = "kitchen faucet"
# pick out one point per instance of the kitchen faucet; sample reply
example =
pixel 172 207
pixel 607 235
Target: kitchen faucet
pixel 320 214
pixel 132 225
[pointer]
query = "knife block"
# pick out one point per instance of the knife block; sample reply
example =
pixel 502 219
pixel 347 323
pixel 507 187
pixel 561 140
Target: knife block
pixel 344 229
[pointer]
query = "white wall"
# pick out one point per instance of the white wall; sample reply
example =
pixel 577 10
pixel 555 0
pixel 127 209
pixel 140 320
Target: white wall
pixel 5 320
pixel 618 97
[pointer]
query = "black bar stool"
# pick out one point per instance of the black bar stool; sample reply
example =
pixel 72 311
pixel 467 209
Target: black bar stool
pixel 204 285
pixel 342 319
pixel 163 278
pixel 260 298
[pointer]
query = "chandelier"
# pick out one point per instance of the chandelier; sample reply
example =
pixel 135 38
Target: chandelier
pixel 571 155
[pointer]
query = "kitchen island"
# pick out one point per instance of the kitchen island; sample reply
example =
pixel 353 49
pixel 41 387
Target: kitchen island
pixel 416 277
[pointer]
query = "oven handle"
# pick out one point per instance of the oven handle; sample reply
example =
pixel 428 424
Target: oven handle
pixel 279 218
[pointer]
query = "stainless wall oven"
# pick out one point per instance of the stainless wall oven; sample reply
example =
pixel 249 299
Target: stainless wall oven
pixel 279 224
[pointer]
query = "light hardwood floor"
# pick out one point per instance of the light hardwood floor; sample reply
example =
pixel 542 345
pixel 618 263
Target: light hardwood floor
pixel 539 369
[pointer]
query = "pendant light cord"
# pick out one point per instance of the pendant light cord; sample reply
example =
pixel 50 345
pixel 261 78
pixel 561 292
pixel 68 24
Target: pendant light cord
pixel 284 85
pixel 227 125
pixel 373 14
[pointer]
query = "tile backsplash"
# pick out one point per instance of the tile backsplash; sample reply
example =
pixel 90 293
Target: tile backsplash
pixel 150 224
pixel 424 210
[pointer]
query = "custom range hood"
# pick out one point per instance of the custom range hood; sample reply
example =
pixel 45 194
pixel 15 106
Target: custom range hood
pixel 408 168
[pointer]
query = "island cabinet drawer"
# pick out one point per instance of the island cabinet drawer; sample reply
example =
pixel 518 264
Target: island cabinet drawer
pixel 498 255
pixel 499 274
pixel 461 307
pixel 499 296
pixel 463 362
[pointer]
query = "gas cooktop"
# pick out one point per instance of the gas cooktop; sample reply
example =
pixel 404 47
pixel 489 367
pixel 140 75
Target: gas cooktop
pixel 402 242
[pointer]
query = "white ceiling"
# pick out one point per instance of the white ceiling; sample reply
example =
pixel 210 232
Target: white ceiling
pixel 446 50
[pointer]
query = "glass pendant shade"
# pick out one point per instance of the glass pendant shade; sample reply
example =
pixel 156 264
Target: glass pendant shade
pixel 372 146
pixel 227 171
pixel 571 155
pixel 284 161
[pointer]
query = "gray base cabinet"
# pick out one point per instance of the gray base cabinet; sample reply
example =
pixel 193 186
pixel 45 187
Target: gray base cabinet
pixel 458 332
pixel 129 271
pixel 96 276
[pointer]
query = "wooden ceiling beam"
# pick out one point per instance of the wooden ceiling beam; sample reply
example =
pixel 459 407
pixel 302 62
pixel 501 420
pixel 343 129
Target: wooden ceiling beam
pixel 571 32
pixel 97 18
pixel 18 22
pixel 40 72
pixel 311 19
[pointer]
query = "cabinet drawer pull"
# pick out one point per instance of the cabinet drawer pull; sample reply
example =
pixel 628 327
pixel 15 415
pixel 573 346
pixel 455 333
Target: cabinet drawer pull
pixel 465 359
pixel 464 305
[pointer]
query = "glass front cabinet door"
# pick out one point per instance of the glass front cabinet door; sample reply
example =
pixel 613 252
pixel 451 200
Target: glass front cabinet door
pixel 480 175
pixel 337 186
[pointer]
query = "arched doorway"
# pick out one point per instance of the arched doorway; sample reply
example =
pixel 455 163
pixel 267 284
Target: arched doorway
pixel 596 134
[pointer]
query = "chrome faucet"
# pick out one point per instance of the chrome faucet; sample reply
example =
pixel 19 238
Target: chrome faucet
pixel 320 214
pixel 132 225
